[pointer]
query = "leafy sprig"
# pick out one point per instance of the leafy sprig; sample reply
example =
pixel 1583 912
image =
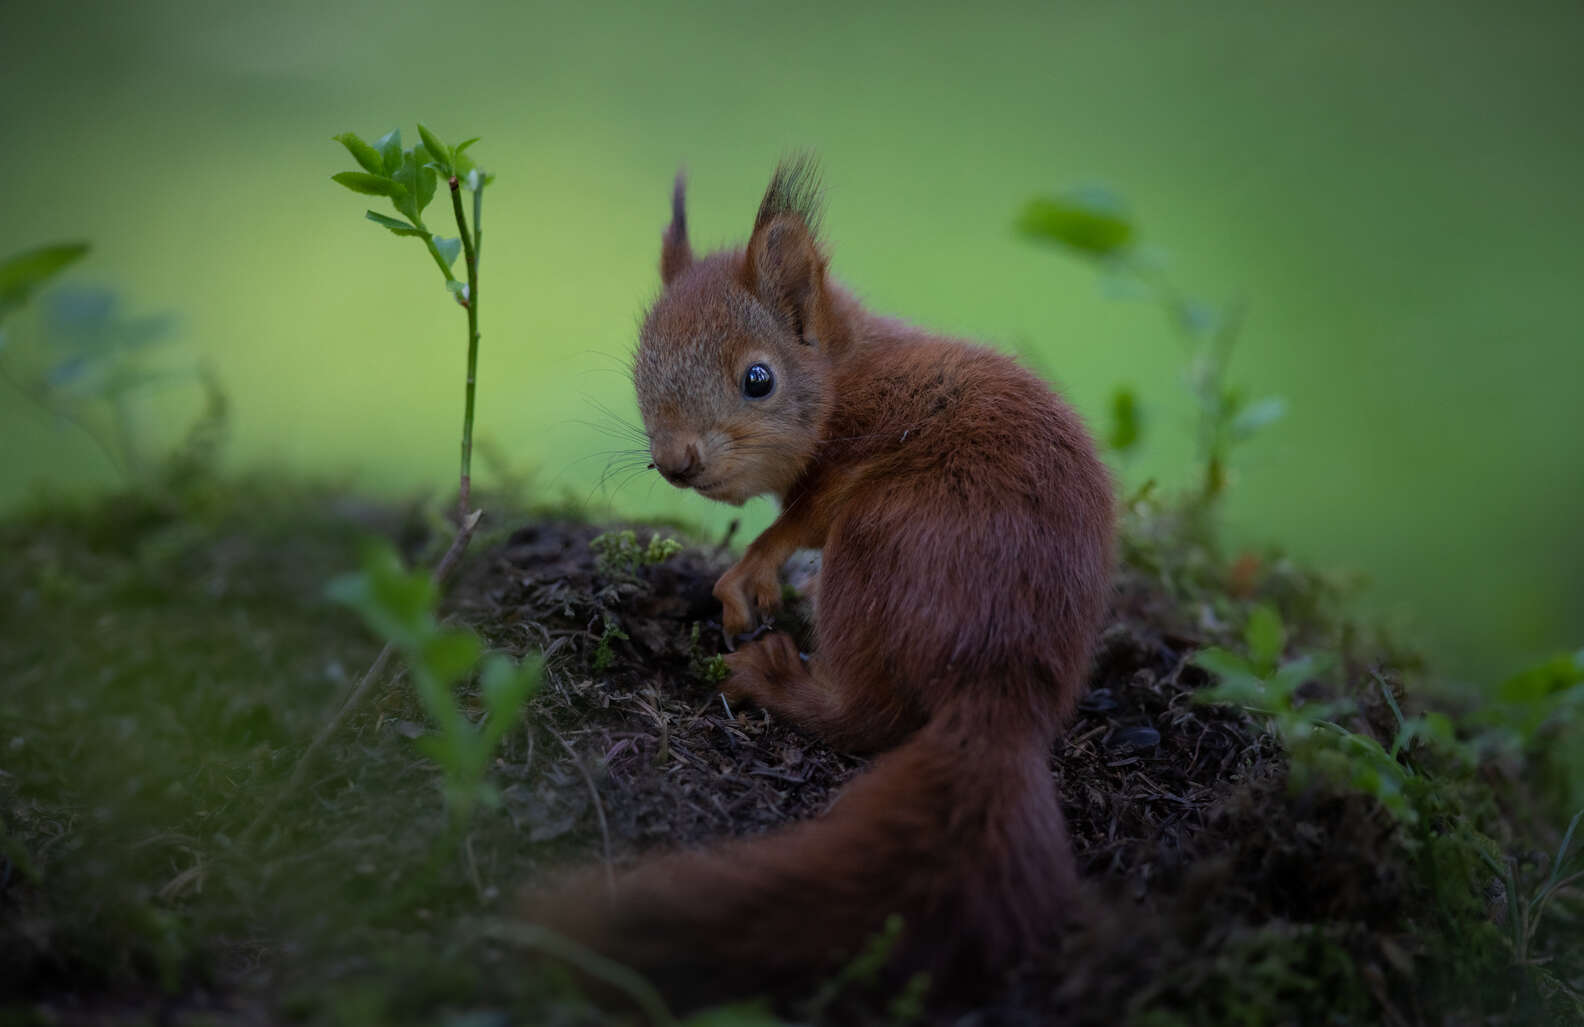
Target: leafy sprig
pixel 408 178
pixel 1320 749
pixel 399 605
pixel 1095 224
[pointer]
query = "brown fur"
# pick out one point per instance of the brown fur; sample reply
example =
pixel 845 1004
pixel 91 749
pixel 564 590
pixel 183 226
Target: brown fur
pixel 966 526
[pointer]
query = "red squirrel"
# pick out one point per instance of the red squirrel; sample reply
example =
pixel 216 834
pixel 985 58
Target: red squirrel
pixel 965 524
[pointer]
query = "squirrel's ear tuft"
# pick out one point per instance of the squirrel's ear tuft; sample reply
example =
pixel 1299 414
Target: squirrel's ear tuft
pixel 783 265
pixel 675 253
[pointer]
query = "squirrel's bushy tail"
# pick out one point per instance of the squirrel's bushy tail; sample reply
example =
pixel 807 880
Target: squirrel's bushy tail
pixel 957 830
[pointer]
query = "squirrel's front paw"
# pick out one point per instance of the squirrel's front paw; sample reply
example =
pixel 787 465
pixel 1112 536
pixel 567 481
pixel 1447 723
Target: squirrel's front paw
pixel 746 591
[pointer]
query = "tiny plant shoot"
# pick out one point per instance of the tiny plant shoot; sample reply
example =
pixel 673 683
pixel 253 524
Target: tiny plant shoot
pixel 1094 224
pixel 408 178
pixel 399 604
pixel 89 362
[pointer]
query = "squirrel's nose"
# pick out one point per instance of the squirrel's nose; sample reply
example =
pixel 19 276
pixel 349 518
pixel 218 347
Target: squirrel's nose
pixel 679 464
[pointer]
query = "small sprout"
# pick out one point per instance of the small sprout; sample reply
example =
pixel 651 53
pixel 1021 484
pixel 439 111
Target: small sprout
pixel 1319 748
pixel 715 670
pixel 399 605
pixel 604 655
pixel 617 554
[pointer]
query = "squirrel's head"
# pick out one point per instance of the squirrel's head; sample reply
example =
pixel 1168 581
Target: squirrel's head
pixel 733 359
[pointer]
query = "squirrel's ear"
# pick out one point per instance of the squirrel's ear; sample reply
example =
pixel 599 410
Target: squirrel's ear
pixel 783 264
pixel 785 270
pixel 675 253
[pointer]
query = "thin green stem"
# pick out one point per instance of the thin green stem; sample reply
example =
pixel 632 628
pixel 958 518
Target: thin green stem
pixel 478 221
pixel 434 252
pixel 470 254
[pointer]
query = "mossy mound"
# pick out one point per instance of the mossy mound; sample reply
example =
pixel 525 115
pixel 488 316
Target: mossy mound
pixel 167 657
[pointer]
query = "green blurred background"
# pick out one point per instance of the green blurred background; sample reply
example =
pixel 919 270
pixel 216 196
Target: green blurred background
pixel 1393 189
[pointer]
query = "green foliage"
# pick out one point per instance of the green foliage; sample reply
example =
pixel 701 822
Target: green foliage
pixel 1320 749
pixel 1094 224
pixel 864 971
pixel 1092 221
pixel 399 606
pixel 1274 974
pixel 1127 422
pixel 1525 911
pixel 22 275
pixel 408 178
pixel 1535 717
pixel 90 365
pixel 1547 693
pixel 604 656
pixel 709 668
pixel 619 555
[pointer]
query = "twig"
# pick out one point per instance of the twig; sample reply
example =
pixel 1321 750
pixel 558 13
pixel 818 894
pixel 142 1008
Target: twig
pixel 599 809
pixel 355 697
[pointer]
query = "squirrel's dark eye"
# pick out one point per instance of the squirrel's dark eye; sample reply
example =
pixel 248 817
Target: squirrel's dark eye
pixel 758 381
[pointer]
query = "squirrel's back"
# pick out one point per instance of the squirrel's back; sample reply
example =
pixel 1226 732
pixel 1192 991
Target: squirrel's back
pixel 980 537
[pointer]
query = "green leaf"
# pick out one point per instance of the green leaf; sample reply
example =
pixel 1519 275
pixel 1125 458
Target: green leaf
pixel 448 247
pixel 1257 415
pixel 395 602
pixel 1294 674
pixel 69 372
pixel 449 655
pixel 398 227
pixel 1223 663
pixel 505 687
pixel 419 181
pixel 1543 680
pixel 460 289
pixel 368 185
pixel 1125 420
pixel 1199 319
pixel 366 156
pixel 390 149
pixel 461 164
pixel 22 274
pixel 1091 221
pixel 1265 637
pixel 443 748
pixel 1239 684
pixel 439 151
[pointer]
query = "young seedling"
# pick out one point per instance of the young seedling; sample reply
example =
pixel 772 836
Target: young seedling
pixel 399 604
pixel 409 177
pixel 1094 224
pixel 618 554
pixel 89 363
pixel 1319 748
